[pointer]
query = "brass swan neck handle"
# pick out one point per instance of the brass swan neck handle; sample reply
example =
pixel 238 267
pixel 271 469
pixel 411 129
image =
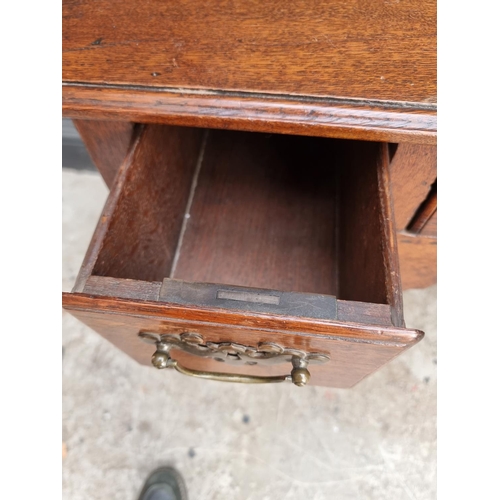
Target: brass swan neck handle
pixel 299 375
pixel 265 354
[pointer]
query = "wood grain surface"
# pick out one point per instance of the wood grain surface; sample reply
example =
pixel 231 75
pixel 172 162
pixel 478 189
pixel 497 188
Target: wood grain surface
pixel 376 51
pixel 141 214
pixel 430 228
pixel 369 57
pixel 235 111
pixel 107 143
pixel 355 350
pixel 272 211
pixel 424 221
pixel 389 239
pixel 263 214
pixel 417 260
pixel 413 170
pixel 347 311
pixel 145 224
pixel 101 229
pixel 413 173
pixel 361 272
pixel 368 257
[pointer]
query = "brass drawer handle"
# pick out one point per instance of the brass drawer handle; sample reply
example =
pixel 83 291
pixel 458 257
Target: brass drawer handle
pixel 266 354
pixel 299 376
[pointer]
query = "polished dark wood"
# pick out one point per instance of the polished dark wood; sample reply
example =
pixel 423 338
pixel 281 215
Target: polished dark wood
pixel 370 69
pixel 107 143
pixel 329 48
pixel 322 118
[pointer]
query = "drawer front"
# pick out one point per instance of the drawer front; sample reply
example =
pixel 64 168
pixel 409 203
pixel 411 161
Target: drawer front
pixel 270 251
pixel 354 350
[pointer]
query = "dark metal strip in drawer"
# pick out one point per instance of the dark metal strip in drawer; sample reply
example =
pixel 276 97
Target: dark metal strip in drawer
pixel 304 305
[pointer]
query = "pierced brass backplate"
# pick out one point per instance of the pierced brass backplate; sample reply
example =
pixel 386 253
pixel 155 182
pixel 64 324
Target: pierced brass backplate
pixel 266 353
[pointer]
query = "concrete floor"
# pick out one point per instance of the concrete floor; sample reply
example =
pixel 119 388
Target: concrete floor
pixel 121 420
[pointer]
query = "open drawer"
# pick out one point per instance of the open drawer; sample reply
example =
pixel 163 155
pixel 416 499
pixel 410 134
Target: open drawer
pixel 249 255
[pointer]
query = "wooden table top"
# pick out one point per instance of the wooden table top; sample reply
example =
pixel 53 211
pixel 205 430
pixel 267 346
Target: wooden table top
pixel 340 65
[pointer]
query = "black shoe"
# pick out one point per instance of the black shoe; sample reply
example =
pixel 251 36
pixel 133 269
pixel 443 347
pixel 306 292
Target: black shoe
pixel 164 483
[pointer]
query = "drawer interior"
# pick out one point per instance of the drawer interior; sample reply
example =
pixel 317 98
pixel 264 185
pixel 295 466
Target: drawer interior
pixel 304 224
pixel 298 214
pixel 286 213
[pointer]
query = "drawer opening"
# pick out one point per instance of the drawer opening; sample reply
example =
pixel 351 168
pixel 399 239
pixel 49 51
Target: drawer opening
pixel 288 213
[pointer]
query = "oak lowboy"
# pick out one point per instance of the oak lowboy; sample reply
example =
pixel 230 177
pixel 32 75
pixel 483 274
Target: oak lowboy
pixel 272 175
